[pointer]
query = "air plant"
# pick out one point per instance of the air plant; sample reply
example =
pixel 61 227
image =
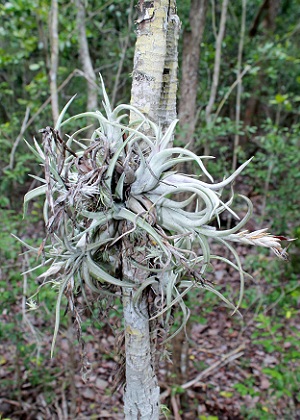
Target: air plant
pixel 121 184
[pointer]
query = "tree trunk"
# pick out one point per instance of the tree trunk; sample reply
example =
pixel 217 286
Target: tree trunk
pixel 154 84
pixel 141 397
pixel 54 60
pixel 266 15
pixel 85 58
pixel 154 89
pixel 217 66
pixel 123 55
pixel 239 87
pixel 265 20
pixel 190 65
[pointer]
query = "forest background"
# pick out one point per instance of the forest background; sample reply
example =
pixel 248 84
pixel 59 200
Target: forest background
pixel 253 110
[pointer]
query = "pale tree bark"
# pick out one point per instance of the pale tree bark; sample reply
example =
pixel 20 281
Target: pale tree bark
pixel 154 84
pixel 141 396
pixel 54 59
pixel 217 66
pixel 167 111
pixel 192 38
pixel 154 90
pixel 85 58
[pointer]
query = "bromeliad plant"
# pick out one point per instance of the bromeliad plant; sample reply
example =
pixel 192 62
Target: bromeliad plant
pixel 121 183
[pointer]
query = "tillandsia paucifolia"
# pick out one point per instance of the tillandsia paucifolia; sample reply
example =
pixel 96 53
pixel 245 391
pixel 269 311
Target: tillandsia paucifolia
pixel 122 183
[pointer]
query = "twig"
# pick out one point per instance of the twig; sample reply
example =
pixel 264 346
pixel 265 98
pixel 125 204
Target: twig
pixel 259 298
pixel 71 372
pixel 64 404
pixel 228 93
pixel 41 400
pixel 227 358
pixel 26 123
pixel 11 402
pixel 246 375
pixel 75 72
pixel 17 141
pixel 97 11
pixel 282 295
pixel 48 100
pixel 174 404
pixel 59 411
pixel 25 318
pixel 213 18
pixel 266 187
pixel 121 62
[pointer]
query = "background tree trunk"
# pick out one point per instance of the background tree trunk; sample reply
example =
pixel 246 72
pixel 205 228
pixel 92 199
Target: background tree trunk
pixel 216 72
pixel 239 86
pixel 192 38
pixel 266 15
pixel 54 59
pixel 265 20
pixel 85 58
pixel 123 55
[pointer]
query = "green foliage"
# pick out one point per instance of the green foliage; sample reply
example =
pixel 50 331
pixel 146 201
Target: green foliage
pixel 22 353
pixel 274 332
pixel 208 418
pixel 24 63
pixel 166 412
pixel 271 128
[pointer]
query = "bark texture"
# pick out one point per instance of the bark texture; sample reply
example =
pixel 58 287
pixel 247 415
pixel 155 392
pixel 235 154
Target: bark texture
pixel 154 89
pixel 154 84
pixel 141 397
pixel 85 58
pixel 192 38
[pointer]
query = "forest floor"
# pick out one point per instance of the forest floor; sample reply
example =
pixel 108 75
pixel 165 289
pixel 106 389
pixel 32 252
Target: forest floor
pixel 239 368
